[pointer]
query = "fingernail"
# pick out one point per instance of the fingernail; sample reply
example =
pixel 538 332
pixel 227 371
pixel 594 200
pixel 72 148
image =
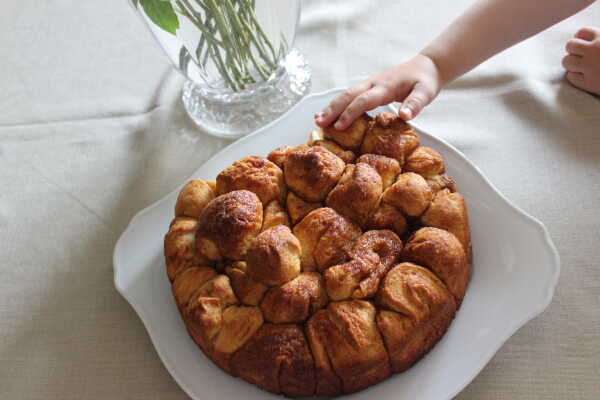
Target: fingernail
pixel 338 125
pixel 407 112
pixel 319 115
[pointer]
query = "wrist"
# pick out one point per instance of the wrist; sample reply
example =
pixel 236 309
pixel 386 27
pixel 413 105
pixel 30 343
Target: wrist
pixel 436 64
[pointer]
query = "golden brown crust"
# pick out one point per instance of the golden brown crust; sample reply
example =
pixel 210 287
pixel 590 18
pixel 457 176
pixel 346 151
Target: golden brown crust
pixel 408 342
pixel 277 358
pixel 425 161
pixel 256 174
pixel 218 287
pixel 390 136
pixel 203 317
pixel 298 208
pixel 203 313
pixel 448 211
pixel 296 300
pixel 346 155
pixel 373 254
pixel 246 289
pixel 180 246
pixel 274 214
pixel 279 155
pixel 388 168
pixel 358 193
pixel 388 217
pixel 354 345
pixel 274 258
pixel 326 237
pixel 410 193
pixel 350 138
pixel 311 172
pixel 229 224
pixel 238 325
pixel 422 309
pixel 413 291
pixel 441 252
pixel 328 383
pixel 189 281
pixel 382 246
pixel 440 182
pixel 193 197
pixel 325 308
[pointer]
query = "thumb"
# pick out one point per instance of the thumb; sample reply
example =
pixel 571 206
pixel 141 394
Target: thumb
pixel 416 100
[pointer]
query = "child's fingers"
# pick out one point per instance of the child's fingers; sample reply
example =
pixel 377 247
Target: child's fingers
pixel 587 33
pixel 577 47
pixel 339 104
pixel 577 79
pixel 412 105
pixel 367 101
pixel 572 63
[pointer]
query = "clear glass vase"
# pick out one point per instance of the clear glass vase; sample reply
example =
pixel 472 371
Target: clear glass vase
pixel 237 55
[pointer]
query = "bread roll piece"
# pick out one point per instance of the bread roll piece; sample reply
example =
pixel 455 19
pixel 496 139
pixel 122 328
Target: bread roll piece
pixel 229 225
pixel 274 258
pixel 448 211
pixel 180 246
pixel 238 325
pixel 246 289
pixel 212 185
pixel 349 346
pixel 410 194
pixel 421 309
pixel 279 155
pixel 350 138
pixel 441 252
pixel 388 217
pixel 274 214
pixel 390 136
pixel 425 161
pixel 388 168
pixel 440 182
pixel 256 174
pixel 218 287
pixel 373 254
pixel 296 300
pixel 277 358
pixel 311 172
pixel 193 197
pixel 188 282
pixel 203 315
pixel 346 155
pixel 317 332
pixel 358 193
pixel 298 208
pixel 326 237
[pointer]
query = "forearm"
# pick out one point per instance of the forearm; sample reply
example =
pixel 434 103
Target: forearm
pixel 491 26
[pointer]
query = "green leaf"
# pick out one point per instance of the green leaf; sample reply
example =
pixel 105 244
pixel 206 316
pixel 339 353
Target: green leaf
pixel 161 13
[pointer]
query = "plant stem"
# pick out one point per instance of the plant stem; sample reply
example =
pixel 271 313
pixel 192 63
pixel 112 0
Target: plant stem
pixel 230 36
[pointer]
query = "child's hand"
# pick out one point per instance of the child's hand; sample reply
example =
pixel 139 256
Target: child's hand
pixel 415 83
pixel 583 61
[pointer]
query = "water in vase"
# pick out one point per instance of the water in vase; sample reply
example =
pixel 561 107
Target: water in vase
pixel 228 48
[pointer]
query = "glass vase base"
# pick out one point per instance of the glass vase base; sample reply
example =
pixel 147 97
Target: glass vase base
pixel 243 116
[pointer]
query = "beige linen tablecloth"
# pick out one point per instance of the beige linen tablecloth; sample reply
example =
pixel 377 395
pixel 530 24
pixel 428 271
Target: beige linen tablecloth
pixel 92 130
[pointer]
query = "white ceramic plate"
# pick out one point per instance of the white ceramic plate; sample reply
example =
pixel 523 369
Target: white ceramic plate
pixel 515 271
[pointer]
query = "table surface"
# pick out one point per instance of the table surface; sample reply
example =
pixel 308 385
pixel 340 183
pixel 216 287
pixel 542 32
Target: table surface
pixel 92 129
